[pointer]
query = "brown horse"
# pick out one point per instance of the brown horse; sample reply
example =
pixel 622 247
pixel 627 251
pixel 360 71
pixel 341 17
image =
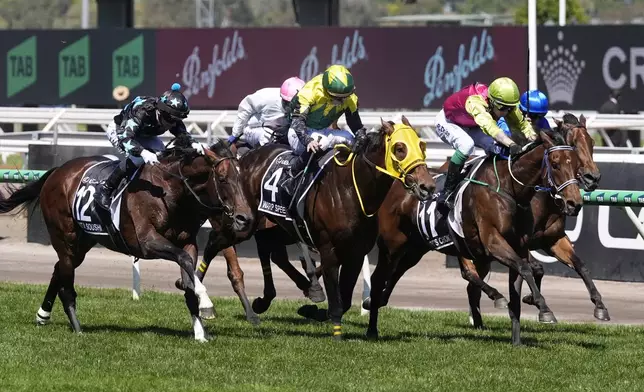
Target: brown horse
pixel 549 229
pixel 548 233
pixel 160 215
pixel 340 207
pixel 492 224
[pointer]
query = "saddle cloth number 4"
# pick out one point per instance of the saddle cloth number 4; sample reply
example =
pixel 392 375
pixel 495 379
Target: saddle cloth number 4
pixel 271 184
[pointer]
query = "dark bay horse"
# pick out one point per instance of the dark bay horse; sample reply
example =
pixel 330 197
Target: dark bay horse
pixel 160 215
pixel 548 233
pixel 492 223
pixel 549 228
pixel 340 206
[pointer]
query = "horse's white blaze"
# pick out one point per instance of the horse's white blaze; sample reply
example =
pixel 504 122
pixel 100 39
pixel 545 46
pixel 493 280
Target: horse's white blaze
pixel 202 294
pixel 200 332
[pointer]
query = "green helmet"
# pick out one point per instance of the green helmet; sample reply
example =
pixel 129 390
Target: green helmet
pixel 338 82
pixel 504 92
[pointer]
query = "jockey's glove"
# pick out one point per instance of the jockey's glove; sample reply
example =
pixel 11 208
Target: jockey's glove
pixel 199 147
pixel 515 149
pixel 149 157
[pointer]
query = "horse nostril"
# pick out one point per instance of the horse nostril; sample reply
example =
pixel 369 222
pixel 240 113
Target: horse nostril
pixel 573 207
pixel 241 218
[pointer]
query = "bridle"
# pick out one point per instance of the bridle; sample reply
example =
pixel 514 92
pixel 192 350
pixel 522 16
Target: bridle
pixel 553 189
pixel 221 205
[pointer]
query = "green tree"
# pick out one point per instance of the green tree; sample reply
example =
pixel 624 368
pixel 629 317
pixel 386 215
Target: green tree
pixel 548 10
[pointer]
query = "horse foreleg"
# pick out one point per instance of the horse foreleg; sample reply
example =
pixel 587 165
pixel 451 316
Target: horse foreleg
pixel 501 250
pixel 537 271
pixel 264 248
pixel 565 253
pixel 399 269
pixel 158 247
pixel 205 304
pixel 514 307
pixel 316 294
pixel 236 277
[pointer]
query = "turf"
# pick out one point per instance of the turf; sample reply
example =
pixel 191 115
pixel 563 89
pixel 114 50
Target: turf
pixel 147 345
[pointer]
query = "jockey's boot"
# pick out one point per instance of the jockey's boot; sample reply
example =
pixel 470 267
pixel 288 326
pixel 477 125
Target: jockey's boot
pixel 294 174
pixel 452 180
pixel 103 194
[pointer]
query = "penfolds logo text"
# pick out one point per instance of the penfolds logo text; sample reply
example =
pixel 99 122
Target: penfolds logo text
pixel 352 51
pixel 196 78
pixel 440 80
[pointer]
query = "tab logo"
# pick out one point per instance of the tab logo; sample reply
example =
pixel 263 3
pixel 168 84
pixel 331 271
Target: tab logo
pixel 21 66
pixel 73 67
pixel 127 64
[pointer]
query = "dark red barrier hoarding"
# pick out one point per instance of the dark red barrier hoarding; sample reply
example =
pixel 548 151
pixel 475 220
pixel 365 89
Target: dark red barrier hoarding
pixel 411 68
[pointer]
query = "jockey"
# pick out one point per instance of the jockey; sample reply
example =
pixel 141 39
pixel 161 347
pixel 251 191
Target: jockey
pixel 264 112
pixel 316 107
pixel 136 134
pixel 469 117
pixel 535 112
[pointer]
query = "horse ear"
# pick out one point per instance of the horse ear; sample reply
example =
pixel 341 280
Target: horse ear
pixel 547 140
pixel 386 127
pixel 209 155
pixel 406 122
pixel 582 120
pixel 558 122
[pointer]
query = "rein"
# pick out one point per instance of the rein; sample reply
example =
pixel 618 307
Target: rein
pixel 546 163
pixel 222 206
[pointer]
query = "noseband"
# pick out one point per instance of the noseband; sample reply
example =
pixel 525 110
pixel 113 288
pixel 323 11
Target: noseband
pixel 553 189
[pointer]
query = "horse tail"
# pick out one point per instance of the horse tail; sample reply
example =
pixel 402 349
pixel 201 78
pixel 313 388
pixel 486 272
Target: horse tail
pixel 28 194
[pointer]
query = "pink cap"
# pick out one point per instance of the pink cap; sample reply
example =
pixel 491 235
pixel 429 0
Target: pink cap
pixel 290 87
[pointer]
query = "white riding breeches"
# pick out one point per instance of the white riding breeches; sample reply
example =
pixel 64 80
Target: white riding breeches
pixel 152 143
pixel 257 136
pixel 328 138
pixel 465 139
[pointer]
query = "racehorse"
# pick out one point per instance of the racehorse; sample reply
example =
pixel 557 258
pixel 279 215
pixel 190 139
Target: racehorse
pixel 160 214
pixel 493 223
pixel 549 228
pixel 548 233
pixel 339 208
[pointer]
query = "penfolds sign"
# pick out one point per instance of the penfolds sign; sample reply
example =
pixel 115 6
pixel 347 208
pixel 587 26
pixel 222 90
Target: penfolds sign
pixel 408 68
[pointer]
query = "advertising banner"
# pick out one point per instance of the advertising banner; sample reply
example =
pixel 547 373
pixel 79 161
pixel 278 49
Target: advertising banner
pixel 603 236
pixel 578 66
pixel 74 66
pixel 413 68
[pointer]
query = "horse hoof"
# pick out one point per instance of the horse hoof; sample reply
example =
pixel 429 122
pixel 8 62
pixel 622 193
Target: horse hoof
pixel 260 305
pixel 529 300
pixel 312 312
pixel 207 313
pixel 253 319
pixel 316 294
pixel 602 314
pixel 42 320
pixel 179 285
pixel 366 304
pixel 547 318
pixel 337 337
pixel 501 303
pixel 202 339
pixel 372 335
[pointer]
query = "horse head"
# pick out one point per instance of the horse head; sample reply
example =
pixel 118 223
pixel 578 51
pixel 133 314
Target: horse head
pixel 215 176
pixel 398 151
pixel 561 165
pixel 576 134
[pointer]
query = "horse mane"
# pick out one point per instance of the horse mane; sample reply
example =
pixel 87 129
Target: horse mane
pixel 571 119
pixel 182 150
pixel 220 147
